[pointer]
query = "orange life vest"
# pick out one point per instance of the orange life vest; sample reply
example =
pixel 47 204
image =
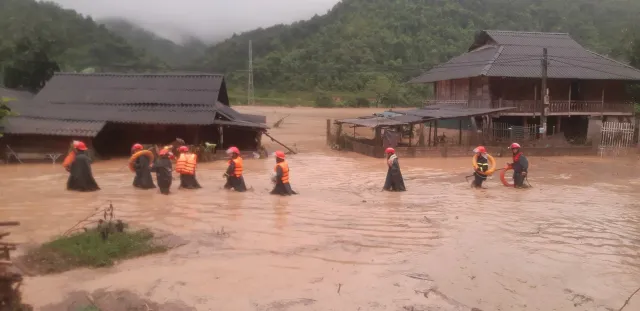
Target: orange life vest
pixel 238 171
pixel 186 164
pixel 285 171
pixel 68 160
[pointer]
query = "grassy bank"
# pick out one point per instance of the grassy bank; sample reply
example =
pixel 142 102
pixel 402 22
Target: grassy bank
pixel 89 249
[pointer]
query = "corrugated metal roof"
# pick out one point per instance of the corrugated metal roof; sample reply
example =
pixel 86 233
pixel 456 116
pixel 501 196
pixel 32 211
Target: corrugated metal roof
pixel 443 111
pixel 26 125
pixel 113 88
pixel 451 112
pixel 519 55
pixel 372 122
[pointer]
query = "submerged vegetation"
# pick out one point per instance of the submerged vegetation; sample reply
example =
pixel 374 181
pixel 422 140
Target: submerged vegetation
pixel 90 249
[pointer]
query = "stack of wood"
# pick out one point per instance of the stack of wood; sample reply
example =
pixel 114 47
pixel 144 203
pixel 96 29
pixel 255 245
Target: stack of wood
pixel 10 276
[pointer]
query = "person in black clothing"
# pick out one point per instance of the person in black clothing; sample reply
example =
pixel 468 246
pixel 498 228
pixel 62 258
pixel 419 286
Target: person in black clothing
pixel 234 173
pixel 163 169
pixel 483 166
pixel 80 175
pixel 281 177
pixel 394 180
pixel 142 165
pixel 520 166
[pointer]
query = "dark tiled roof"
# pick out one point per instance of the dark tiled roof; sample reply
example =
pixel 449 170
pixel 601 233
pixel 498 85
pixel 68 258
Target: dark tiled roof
pixel 26 125
pixel 80 99
pixel 140 113
pixel 112 88
pixel 519 54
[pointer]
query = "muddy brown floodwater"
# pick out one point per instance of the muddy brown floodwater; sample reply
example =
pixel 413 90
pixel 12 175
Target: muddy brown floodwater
pixel 570 243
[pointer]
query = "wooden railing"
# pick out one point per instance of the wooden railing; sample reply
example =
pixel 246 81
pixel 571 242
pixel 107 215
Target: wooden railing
pixel 564 106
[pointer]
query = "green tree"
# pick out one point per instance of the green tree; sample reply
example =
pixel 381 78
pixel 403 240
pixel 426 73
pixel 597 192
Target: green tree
pixel 31 66
pixel 67 38
pixel 359 40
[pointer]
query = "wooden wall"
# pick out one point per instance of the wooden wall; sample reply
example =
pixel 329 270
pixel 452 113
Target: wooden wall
pixel 479 93
pixel 452 89
pixel 529 89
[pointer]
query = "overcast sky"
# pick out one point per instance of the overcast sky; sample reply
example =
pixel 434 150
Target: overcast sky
pixel 206 19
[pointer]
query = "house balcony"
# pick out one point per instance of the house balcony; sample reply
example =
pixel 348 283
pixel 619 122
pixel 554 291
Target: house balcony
pixel 565 107
pixel 556 107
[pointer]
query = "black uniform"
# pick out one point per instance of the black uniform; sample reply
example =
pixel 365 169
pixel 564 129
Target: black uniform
pixel 163 170
pixel 394 180
pixel 233 181
pixel 520 169
pixel 483 166
pixel 80 175
pixel 143 179
pixel 189 182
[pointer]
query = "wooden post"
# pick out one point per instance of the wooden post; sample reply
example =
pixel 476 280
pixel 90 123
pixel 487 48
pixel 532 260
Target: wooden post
pixel 558 124
pixel 329 142
pixel 430 126
pixel 421 136
pixel 435 133
pixel 545 93
pixel 460 132
pixel 410 134
pixel 221 130
pixel 535 99
pixel 602 105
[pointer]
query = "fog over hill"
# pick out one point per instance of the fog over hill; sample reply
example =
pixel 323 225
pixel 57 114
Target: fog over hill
pixel 209 20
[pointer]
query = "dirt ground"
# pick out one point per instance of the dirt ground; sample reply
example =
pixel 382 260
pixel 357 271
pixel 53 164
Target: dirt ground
pixel 572 242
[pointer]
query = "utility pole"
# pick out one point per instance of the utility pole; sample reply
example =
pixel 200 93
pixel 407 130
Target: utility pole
pixel 250 94
pixel 545 95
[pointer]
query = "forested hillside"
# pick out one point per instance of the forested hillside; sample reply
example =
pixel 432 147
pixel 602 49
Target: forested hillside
pixel 39 38
pixel 173 54
pixel 361 44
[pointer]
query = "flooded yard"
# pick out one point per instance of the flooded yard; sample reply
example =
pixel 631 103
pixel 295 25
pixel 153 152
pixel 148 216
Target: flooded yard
pixel 572 242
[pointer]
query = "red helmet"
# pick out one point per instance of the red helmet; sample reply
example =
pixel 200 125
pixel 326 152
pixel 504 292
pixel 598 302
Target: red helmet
pixel 163 151
pixel 79 145
pixel 183 149
pixel 480 149
pixel 232 150
pixel 389 151
pixel 514 146
pixel 137 147
pixel 279 154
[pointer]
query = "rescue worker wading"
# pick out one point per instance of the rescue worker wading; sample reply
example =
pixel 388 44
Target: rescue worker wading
pixel 483 166
pixel 142 165
pixel 394 180
pixel 80 175
pixel 281 178
pixel 163 169
pixel 186 167
pixel 234 177
pixel 520 166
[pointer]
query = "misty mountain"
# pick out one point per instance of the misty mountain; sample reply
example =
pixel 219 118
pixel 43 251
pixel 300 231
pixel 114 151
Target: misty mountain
pixel 174 54
pixel 360 41
pixel 75 42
